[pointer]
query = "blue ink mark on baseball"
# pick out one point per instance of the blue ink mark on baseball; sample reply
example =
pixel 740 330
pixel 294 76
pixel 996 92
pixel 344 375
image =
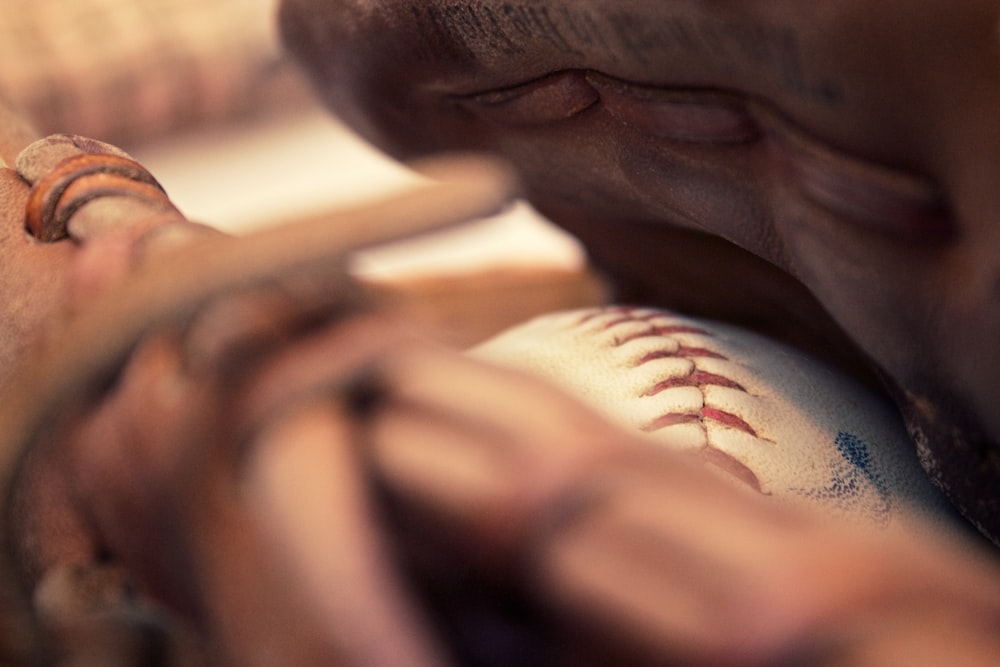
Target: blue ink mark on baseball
pixel 849 479
pixel 855 451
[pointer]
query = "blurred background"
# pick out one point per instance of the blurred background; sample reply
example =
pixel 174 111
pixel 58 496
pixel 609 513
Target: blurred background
pixel 201 93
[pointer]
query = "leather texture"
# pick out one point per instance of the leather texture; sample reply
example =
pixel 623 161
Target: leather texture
pixel 822 173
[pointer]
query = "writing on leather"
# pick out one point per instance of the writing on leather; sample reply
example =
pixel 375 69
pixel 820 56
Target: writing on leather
pixel 484 30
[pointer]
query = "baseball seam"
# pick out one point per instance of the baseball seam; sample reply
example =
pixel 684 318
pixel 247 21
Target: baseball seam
pixel 697 378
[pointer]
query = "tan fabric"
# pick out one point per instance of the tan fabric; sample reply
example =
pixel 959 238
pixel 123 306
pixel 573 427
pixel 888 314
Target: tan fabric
pixel 125 70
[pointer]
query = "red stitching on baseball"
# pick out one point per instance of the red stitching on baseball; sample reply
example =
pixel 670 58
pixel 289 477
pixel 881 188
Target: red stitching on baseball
pixel 727 419
pixel 681 353
pixel 694 352
pixel 655 331
pixel 628 313
pixel 697 378
pixel 654 355
pixel 672 419
pixel 730 464
pixel 625 318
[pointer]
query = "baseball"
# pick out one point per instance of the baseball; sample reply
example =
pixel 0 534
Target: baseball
pixel 773 418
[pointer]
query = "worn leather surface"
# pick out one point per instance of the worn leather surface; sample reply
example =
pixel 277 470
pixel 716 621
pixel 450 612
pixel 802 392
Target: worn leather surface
pixel 125 267
pixel 834 162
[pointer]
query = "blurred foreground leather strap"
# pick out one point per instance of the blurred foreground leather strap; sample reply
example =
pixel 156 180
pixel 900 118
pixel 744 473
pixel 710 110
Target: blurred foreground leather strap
pixel 67 173
pixel 71 365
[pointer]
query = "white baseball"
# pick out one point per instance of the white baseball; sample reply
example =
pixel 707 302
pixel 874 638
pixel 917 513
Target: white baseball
pixel 782 422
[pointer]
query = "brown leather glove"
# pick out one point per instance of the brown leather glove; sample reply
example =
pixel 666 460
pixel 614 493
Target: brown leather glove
pixel 306 488
pixel 847 148
pixel 237 461
pixel 79 534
